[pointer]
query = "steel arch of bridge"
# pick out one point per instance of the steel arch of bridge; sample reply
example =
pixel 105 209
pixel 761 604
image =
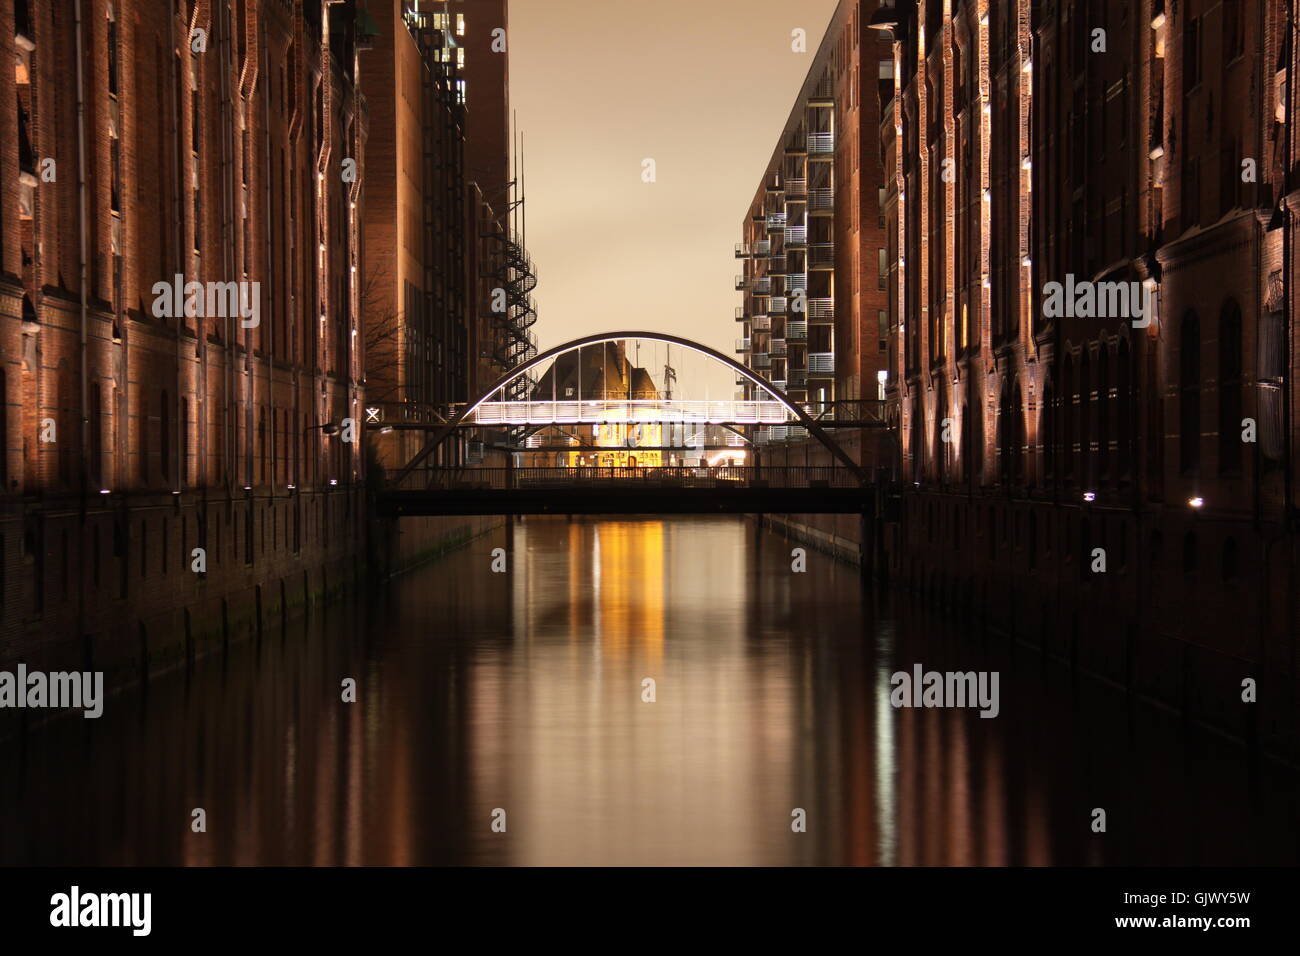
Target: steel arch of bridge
pixel 601 337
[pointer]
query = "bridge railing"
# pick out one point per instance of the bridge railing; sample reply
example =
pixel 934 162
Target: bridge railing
pixel 719 477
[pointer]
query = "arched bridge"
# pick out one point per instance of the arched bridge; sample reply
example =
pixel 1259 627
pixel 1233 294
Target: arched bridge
pixel 591 448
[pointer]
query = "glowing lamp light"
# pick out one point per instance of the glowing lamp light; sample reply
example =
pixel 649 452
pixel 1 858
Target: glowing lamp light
pixel 105 491
pixel 292 487
pixel 334 481
pixel 1089 496
pixel 882 376
pixel 1196 502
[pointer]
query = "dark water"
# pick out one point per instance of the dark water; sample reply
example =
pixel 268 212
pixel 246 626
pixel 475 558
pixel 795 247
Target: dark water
pixel 523 692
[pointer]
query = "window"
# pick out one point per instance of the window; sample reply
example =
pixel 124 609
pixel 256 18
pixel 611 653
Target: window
pixel 882 330
pixel 164 437
pixel 1230 386
pixel 1189 389
pixel 1231 560
pixel 112 53
pixel 1192 53
pixel 1233 33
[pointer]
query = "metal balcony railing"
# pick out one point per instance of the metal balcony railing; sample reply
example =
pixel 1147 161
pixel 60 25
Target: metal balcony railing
pixel 740 313
pixel 778 347
pixel 760 323
pixel 799 379
pixel 819 199
pixel 796 236
pixel 794 281
pixel 821 255
pixel 742 283
pixel 821 310
pixel 778 384
pixel 761 360
pixel 777 305
pixel 776 266
pixel 762 286
pixel 795 187
pixel 762 248
pixel 742 345
pixel 796 331
pixel 742 250
pixel 821 363
pixel 821 144
pixel 775 221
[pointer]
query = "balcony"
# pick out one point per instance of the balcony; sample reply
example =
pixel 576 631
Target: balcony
pixel 796 145
pixel 796 236
pixel 779 384
pixel 795 188
pixel 742 283
pixel 761 286
pixel 778 347
pixel 742 250
pixel 742 345
pixel 821 200
pixel 821 145
pixel 776 266
pixel 823 96
pixel 821 256
pixel 761 360
pixel 777 305
pixel 821 363
pixel 760 323
pixel 795 281
pixel 740 313
pixel 798 379
pixel 821 311
pixel 775 221
pixel 796 331
pixel 761 249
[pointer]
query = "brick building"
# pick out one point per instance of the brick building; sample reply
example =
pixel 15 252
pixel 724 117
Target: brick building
pixel 814 233
pixel 155 145
pixel 1109 477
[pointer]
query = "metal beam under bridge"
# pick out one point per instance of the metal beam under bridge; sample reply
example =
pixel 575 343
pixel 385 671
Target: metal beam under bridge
pixel 626 499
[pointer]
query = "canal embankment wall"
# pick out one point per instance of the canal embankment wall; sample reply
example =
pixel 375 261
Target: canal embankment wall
pixel 141 584
pixel 1190 614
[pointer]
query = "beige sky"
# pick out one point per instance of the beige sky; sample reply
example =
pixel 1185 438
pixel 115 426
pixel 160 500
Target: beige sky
pixel 703 87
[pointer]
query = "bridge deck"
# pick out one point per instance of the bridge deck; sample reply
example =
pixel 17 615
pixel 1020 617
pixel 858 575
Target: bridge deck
pixel 643 490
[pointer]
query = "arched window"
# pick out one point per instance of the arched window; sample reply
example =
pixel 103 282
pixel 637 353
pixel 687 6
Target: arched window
pixel 1103 415
pixel 1231 560
pixel 1067 415
pixel 1016 431
pixel 941 446
pixel 165 438
pixel 1085 472
pixel 1189 553
pixel 1189 395
pixel 1230 389
pixel 1047 430
pixel 917 432
pixel 1123 415
pixel 1003 435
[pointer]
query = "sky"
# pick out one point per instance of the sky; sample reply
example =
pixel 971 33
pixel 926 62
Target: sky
pixel 702 87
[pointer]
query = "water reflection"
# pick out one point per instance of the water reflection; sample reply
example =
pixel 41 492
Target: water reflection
pixel 523 692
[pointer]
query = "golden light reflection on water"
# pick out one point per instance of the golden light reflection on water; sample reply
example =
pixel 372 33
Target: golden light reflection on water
pixel 523 692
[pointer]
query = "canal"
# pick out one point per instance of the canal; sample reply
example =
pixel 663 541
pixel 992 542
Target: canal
pixel 517 701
